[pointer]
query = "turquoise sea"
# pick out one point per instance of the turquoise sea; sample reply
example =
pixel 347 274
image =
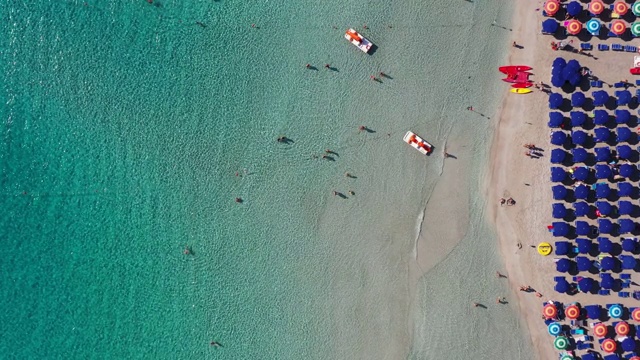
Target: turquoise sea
pixel 130 128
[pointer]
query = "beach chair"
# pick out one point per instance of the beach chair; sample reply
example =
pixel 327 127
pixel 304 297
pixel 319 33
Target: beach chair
pixel 616 47
pixel 598 83
pixel 625 276
pixel 583 346
pixel 558 278
pixel 603 47
pixel 625 285
pixel 619 85
pixel 604 292
pixel 586 46
pixel 577 331
pixel 637 92
pixel 637 82
pixel 630 48
pixel 623 294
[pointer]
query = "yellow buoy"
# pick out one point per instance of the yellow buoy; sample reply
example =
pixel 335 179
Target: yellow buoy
pixel 544 248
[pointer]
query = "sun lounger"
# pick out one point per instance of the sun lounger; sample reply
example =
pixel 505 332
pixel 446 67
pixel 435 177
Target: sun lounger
pixel 630 48
pixel 619 85
pixel 603 47
pixel 604 292
pixel 558 278
pixel 596 83
pixel 625 285
pixel 638 92
pixel 577 332
pixel 637 82
pixel 586 46
pixel 625 276
pixel 617 47
pixel 623 294
pixel 583 346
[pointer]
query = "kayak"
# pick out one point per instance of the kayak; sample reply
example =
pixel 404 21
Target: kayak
pixel 513 69
pixel 418 143
pixel 522 85
pixel 635 71
pixel 519 77
pixel 520 91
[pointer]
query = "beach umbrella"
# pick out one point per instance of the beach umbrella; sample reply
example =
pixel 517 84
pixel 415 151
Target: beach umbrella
pixel 577 118
pixel 580 155
pixel 623 116
pixel 608 263
pixel 581 173
pixel 615 311
pixel 635 28
pixel 551 7
pixel 603 172
pixel 558 174
pixel 627 170
pixel 562 286
pixel 624 97
pixel 601 117
pixel 585 285
pixel 631 358
pixel 555 100
pixel 626 226
pixel 618 27
pixel 593 312
pixel 583 263
pixel 625 189
pixel 568 71
pixel 584 247
pixel 560 229
pixel 622 328
pixel 609 345
pixel 557 156
pixel 600 97
pixel 605 226
pixel 559 192
pixel 561 343
pixel 550 311
pixel 600 330
pixel 605 245
pixel 549 26
pixel 625 207
pixel 559 211
pixel 554 329
pixel 602 153
pixel 624 151
pixel 620 7
pixel 635 314
pixel 558 138
pixel 581 192
pixel 623 134
pixel 583 228
pixel 596 7
pixel 567 357
pixel 575 79
pixel 577 99
pixel 593 26
pixel 574 27
pixel 572 312
pixel 562 247
pixel 629 245
pixel 573 64
pixel 574 8
pixel 563 265
pixel 581 208
pixel 604 207
pixel 558 62
pixel 557 80
pixel 556 119
pixel 636 8
pixel 628 344
pixel 628 263
pixel 602 134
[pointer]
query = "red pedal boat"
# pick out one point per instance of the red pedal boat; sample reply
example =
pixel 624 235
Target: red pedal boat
pixel 513 69
pixel 635 71
pixel 519 77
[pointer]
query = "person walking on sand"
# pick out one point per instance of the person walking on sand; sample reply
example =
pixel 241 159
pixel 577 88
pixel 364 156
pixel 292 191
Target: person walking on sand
pixel 475 304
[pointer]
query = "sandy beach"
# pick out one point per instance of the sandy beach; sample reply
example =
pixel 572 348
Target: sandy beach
pixel 522 120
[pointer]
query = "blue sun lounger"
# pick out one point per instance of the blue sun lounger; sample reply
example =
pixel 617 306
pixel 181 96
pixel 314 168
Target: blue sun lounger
pixel 619 85
pixel 604 292
pixel 625 276
pixel 596 83
pixel 616 47
pixel 630 48
pixel 623 294
pixel 603 47
pixel 586 46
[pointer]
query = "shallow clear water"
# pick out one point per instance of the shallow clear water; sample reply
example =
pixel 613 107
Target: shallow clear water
pixel 125 123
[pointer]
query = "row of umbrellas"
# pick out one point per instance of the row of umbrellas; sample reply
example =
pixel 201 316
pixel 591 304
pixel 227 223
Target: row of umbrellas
pixel 605 226
pixel 600 97
pixel 593 26
pixel 573 312
pixel 607 263
pixel 581 155
pixel 596 7
pixel 582 208
pixel 562 71
pixel 578 118
pixel 585 246
pixel 582 173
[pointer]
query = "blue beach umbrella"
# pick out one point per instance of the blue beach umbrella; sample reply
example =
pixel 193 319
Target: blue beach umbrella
pixel 584 247
pixel 603 153
pixel 554 329
pixel 628 344
pixel 568 72
pixel 562 247
pixel 622 116
pixel 563 265
pixel 615 311
pixel 573 64
pixel 605 226
pixel 593 312
pixel 593 26
pixel 559 192
pixel 555 101
pixel 629 245
pixel 600 117
pixel 624 151
pixel 556 119
pixel 602 134
pixel 583 263
pixel 557 156
pixel 605 245
pixel 577 118
pixel 560 229
pixel 583 228
pixel 608 263
pixel 559 211
pixel 549 26
pixel 558 174
pixel 624 134
pixel 558 138
pixel 627 170
pixel 607 283
pixel 602 190
pixel 603 172
pixel 558 63
pixel 562 286
pixel 580 155
pixel 574 8
pixel 628 262
pixel 575 79
pixel 600 97
pixel 626 226
pixel 581 208
pixel 625 189
pixel 557 80
pixel 604 207
pixel 624 97
pixel 585 284
pixel 625 207
pixel 581 173
pixel 577 99
pixel 581 192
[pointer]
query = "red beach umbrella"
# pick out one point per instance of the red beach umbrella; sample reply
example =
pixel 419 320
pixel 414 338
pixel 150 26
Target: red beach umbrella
pixel 596 7
pixel 574 27
pixel 609 345
pixel 635 358
pixel 620 7
pixel 600 330
pixel 622 328
pixel 635 314
pixel 550 311
pixel 572 312
pixel 618 27
pixel 551 7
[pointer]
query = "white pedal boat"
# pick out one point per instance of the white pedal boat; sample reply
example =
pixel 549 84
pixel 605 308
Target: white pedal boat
pixel 358 40
pixel 418 143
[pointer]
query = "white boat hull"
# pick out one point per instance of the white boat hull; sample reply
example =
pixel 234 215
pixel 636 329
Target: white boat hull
pixel 418 143
pixel 358 40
